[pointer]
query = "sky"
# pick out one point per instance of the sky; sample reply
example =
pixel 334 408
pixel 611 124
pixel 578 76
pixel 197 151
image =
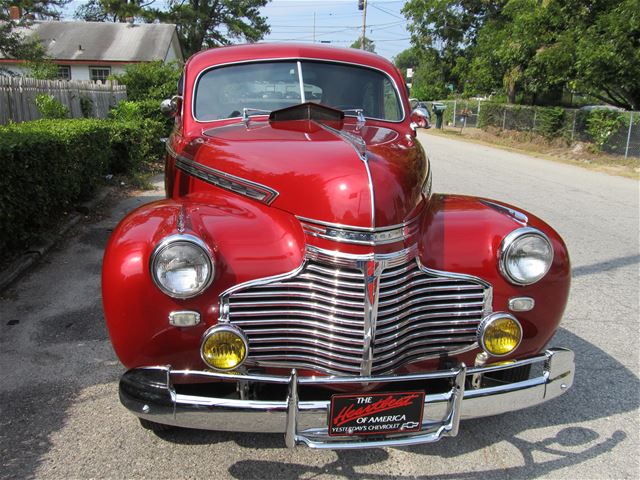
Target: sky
pixel 336 21
pixel 339 22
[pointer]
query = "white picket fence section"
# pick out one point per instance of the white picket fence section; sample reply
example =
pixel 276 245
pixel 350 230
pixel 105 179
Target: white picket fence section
pixel 18 97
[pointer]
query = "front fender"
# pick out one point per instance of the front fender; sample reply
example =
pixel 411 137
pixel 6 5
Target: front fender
pixel 264 241
pixel 463 235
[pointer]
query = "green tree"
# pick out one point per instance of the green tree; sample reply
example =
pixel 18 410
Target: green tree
pixel 201 23
pixel 409 58
pixel 212 23
pixel 111 10
pixel 533 48
pixel 450 28
pixel 608 56
pixel 369 45
pixel 12 43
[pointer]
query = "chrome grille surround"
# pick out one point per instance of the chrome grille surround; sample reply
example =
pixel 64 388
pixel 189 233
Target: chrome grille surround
pixel 356 315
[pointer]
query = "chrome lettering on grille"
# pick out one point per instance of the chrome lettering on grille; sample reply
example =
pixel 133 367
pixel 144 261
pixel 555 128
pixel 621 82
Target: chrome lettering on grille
pixel 359 235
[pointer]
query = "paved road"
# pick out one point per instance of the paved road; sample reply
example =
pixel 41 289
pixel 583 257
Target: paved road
pixel 60 417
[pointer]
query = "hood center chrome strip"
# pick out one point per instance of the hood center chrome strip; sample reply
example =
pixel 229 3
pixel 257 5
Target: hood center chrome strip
pixel 360 146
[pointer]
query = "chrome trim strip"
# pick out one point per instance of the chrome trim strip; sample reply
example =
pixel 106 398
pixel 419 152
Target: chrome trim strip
pixel 360 147
pixel 372 271
pixel 224 180
pixel 301 81
pixel 296 59
pixel 514 214
pixel 180 223
pixel 357 228
pixel 355 141
pixel 361 237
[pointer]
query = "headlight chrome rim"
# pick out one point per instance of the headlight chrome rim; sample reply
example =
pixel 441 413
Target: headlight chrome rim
pixel 172 240
pixel 487 321
pixel 507 244
pixel 224 328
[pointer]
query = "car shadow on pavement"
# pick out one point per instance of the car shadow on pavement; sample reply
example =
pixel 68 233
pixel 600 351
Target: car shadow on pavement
pixel 603 388
pixel 605 266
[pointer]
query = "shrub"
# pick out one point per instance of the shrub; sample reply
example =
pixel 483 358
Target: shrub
pixel 490 115
pixel 134 143
pixel 86 107
pixel 602 124
pixel 50 164
pixel 128 111
pixel 151 80
pixel 51 108
pixel 549 121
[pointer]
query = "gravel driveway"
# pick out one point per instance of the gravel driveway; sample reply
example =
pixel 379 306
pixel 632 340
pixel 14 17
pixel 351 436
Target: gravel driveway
pixel 60 416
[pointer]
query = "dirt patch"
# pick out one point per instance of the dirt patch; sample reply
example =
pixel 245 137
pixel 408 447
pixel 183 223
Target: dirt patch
pixel 579 153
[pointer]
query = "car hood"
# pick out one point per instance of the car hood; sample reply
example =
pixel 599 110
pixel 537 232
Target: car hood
pixel 329 172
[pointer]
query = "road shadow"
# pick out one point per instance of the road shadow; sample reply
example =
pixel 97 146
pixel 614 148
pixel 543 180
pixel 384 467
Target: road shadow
pixel 607 265
pixel 603 388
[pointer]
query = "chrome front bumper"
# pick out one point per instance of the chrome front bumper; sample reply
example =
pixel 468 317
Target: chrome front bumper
pixel 149 394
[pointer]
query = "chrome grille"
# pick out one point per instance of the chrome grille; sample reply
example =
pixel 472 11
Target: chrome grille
pixel 314 317
pixel 423 314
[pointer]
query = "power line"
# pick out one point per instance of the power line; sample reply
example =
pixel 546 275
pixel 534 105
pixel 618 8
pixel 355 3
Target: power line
pixel 386 11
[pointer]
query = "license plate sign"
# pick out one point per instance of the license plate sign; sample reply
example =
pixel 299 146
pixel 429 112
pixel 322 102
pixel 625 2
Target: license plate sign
pixel 376 413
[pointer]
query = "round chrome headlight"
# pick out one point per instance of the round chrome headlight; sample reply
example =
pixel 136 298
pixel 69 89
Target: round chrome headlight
pixel 181 266
pixel 525 256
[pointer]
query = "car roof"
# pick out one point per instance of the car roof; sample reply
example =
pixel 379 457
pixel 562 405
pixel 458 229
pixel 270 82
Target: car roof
pixel 272 51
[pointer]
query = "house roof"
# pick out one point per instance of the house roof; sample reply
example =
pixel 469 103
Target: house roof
pixel 104 41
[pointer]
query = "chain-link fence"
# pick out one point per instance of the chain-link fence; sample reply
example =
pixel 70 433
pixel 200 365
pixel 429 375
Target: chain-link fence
pixel 613 132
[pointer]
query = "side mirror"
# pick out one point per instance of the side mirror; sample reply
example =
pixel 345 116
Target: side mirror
pixel 420 118
pixel 171 106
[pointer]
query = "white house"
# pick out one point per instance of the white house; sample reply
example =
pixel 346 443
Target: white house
pixel 95 50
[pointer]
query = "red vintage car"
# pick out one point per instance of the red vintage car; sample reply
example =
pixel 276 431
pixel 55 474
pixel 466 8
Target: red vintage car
pixel 301 277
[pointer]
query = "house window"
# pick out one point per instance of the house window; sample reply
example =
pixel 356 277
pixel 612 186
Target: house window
pixel 99 74
pixel 64 72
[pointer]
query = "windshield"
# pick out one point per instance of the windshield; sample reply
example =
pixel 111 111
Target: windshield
pixel 225 91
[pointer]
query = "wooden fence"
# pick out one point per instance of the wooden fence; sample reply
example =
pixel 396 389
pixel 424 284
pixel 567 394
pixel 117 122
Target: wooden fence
pixel 18 97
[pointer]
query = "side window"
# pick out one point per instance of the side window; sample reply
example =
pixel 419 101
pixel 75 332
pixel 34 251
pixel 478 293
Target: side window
pixel 391 104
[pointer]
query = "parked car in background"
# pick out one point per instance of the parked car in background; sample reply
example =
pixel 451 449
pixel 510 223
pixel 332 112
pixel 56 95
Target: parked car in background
pixel 301 277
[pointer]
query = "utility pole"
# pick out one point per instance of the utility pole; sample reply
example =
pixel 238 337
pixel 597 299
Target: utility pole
pixel 314 27
pixel 362 5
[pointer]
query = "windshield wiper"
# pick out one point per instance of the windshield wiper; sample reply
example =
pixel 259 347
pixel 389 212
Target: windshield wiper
pixel 247 112
pixel 359 115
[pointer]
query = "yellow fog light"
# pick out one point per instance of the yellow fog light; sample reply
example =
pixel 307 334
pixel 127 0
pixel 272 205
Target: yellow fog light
pixel 499 334
pixel 224 347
